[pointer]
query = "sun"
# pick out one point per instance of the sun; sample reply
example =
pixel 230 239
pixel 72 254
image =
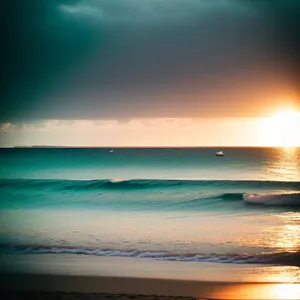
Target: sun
pixel 282 129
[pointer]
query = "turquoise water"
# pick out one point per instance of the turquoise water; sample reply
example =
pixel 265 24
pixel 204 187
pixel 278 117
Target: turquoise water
pixel 169 204
pixel 181 163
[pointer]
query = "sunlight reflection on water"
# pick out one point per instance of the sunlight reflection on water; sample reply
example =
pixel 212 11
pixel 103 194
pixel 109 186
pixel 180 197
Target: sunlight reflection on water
pixel 285 237
pixel 284 164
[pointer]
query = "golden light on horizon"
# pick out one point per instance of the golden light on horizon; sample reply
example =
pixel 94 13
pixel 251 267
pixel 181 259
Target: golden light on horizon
pixel 281 129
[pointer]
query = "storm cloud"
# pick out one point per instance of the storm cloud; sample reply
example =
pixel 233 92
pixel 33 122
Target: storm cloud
pixel 95 59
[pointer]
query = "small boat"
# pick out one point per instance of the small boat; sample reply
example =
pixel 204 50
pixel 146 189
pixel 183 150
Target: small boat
pixel 111 150
pixel 220 153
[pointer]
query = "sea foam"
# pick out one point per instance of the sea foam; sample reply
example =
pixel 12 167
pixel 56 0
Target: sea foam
pixel 284 199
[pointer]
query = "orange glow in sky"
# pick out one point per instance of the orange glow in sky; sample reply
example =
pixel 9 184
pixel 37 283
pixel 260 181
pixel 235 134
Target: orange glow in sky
pixel 281 129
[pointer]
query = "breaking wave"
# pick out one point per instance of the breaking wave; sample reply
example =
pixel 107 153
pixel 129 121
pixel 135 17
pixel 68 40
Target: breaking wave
pixel 151 194
pixel 285 199
pixel 145 184
pixel 279 258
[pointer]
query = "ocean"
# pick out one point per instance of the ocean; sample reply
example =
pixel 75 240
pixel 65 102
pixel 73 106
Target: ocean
pixel 170 204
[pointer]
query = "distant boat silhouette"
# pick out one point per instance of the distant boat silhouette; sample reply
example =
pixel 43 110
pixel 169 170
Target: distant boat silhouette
pixel 111 150
pixel 220 153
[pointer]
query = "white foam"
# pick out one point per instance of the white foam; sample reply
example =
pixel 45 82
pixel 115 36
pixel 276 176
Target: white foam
pixel 286 199
pixel 114 180
pixel 271 258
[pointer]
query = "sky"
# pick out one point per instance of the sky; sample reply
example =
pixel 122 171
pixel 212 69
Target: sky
pixel 147 72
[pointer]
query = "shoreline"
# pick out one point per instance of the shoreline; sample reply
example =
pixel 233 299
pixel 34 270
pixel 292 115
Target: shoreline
pixel 113 266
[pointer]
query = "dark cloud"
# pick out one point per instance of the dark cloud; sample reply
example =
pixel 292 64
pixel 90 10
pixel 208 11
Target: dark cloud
pixel 82 59
pixel 41 47
pixel 283 17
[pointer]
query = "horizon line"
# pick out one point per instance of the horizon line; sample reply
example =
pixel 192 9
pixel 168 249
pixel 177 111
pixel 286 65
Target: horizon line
pixel 140 147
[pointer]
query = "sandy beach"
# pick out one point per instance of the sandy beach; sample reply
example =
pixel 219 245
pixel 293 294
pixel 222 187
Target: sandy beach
pixel 82 277
pixel 79 296
pixel 29 286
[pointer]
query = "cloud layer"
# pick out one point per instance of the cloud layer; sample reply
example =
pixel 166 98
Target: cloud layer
pixel 137 132
pixel 90 59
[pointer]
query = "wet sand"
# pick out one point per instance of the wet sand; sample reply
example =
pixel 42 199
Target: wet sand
pixel 38 286
pixel 80 277
pixel 81 296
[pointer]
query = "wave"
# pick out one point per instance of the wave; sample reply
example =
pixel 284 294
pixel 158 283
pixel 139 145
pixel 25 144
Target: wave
pixel 278 258
pixel 145 184
pixel 288 199
pixel 150 194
